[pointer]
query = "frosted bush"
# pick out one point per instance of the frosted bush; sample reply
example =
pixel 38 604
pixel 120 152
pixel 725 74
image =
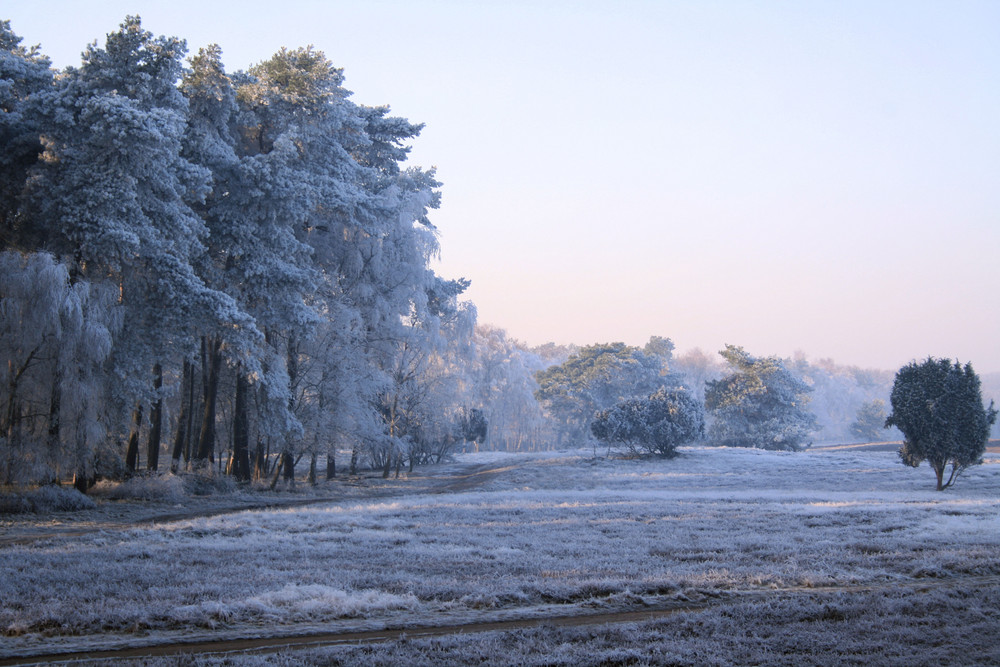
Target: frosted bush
pixel 168 488
pixel 45 499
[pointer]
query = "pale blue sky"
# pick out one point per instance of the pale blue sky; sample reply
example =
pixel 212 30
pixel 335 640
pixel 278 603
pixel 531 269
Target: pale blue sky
pixel 814 176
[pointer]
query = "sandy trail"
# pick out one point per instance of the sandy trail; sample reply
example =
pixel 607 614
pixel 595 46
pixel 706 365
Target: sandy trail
pixel 292 641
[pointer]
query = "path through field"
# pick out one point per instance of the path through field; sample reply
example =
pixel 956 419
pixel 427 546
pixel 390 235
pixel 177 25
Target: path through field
pixel 648 612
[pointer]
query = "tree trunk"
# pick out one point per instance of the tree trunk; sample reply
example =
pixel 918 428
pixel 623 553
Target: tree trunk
pixel 206 438
pixel 132 451
pixel 181 437
pixel 292 365
pixel 81 480
pixel 241 429
pixel 54 431
pixel 312 470
pixel 259 461
pixel 156 422
pixel 284 470
pixel 192 400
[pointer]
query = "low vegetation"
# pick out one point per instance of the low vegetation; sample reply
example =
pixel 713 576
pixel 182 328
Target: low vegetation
pixel 547 529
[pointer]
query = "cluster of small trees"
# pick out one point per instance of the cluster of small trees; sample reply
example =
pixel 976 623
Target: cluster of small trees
pixel 185 251
pixel 629 397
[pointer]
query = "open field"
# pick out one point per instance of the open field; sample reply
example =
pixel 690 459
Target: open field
pixel 832 556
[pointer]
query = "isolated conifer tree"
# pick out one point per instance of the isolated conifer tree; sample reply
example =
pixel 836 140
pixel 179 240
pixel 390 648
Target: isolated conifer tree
pixel 938 405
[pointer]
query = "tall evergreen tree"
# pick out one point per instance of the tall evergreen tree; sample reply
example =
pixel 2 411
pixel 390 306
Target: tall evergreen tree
pixel 24 72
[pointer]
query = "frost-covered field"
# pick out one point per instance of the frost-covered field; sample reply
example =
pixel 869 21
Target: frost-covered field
pixel 551 535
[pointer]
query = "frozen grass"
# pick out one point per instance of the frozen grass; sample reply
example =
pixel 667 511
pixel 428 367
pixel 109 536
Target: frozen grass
pixel 941 627
pixel 44 500
pixel 166 488
pixel 556 529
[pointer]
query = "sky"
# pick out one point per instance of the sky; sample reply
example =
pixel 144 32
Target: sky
pixel 792 177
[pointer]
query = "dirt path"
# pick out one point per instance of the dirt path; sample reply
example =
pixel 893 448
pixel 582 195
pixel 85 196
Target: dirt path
pixel 471 478
pixel 275 643
pixel 446 479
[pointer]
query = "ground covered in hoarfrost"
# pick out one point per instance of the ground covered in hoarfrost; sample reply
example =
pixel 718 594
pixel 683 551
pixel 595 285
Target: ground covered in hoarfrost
pixel 827 556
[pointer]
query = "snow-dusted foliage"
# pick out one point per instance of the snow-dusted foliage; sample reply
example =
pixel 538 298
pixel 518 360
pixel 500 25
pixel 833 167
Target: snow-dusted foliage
pixel 596 378
pixel 237 259
pixel 502 379
pixel 838 393
pixel 657 424
pixel 759 404
pixel 938 405
pixel 23 72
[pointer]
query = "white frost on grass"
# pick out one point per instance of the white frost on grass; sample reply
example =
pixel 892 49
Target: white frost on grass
pixel 293 603
pixel 169 488
pixel 566 529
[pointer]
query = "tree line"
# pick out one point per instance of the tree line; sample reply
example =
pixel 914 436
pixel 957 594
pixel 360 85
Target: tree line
pixel 186 250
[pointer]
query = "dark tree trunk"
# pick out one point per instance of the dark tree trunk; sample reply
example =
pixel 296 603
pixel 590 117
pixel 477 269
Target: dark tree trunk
pixel 193 406
pixel 292 364
pixel 181 437
pixel 80 482
pixel 132 450
pixel 284 470
pixel 206 437
pixel 312 470
pixel 241 429
pixel 54 431
pixel 156 422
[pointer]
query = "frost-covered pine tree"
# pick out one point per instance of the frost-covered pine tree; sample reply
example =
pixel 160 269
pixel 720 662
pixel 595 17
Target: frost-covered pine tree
pixel 596 378
pixel 24 72
pixel 759 404
pixel 115 195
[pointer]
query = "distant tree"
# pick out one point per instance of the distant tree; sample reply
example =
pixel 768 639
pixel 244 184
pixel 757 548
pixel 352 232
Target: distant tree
pixel 656 424
pixel 502 379
pixel 870 423
pixel 697 369
pixel 596 378
pixel 939 408
pixel 759 404
pixel 472 425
